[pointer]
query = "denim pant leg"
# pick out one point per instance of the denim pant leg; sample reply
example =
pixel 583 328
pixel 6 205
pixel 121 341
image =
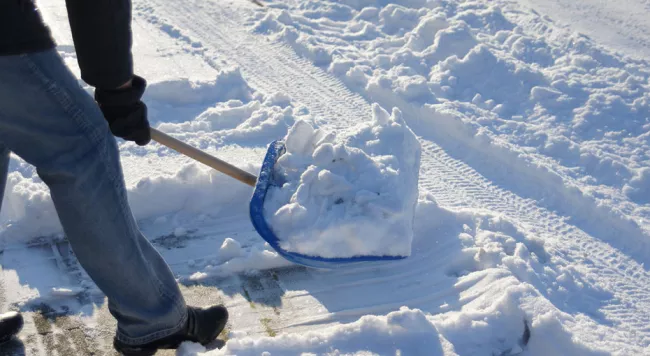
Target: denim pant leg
pixel 51 122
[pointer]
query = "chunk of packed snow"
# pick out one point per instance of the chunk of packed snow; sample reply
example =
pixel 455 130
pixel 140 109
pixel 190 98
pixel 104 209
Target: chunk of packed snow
pixel 65 291
pixel 347 195
pixel 258 257
pixel 230 249
pixel 639 187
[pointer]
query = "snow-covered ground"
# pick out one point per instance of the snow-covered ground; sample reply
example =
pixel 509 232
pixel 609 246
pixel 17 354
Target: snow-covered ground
pixel 532 228
pixel 620 25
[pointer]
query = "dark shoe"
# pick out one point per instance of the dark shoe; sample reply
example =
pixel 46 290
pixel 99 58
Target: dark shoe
pixel 10 324
pixel 203 326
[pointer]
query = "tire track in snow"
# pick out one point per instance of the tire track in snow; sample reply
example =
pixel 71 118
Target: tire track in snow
pixel 271 67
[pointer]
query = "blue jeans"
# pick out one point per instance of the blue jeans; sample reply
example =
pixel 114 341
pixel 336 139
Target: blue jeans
pixel 51 122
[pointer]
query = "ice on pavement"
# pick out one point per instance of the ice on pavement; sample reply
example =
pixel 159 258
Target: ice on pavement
pixel 345 195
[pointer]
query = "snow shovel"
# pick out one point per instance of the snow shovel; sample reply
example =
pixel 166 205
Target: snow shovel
pixel 261 184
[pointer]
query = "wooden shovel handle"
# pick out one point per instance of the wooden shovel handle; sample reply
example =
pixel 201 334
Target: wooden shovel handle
pixel 209 160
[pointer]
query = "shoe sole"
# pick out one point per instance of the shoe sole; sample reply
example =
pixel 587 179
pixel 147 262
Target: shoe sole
pixel 137 352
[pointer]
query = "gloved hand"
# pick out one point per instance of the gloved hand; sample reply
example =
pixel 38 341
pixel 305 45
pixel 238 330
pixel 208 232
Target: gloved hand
pixel 125 112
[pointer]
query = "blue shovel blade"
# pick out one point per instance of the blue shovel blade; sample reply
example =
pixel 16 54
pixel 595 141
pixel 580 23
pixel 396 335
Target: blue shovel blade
pixel 267 179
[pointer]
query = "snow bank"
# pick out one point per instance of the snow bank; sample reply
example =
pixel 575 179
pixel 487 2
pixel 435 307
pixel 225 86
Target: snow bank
pixel 228 83
pixel 28 211
pixel 506 320
pixel 351 195
pixel 254 122
pixel 405 332
pixel 194 189
pixel 493 328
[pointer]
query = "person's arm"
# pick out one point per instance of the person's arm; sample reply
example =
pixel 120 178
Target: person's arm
pixel 101 30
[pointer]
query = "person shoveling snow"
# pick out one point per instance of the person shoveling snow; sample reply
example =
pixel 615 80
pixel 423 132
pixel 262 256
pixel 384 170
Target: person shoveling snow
pixel 348 195
pixel 48 120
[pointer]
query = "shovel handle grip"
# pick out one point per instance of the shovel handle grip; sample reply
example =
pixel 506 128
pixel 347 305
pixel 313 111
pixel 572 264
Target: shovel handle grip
pixel 198 155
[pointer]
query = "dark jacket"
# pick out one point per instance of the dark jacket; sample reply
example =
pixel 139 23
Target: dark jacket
pixel 101 30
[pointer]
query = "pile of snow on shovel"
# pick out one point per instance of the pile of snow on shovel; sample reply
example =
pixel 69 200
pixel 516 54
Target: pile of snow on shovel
pixel 347 194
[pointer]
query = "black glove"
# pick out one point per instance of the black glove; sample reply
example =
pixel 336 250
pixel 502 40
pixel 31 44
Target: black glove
pixel 125 112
